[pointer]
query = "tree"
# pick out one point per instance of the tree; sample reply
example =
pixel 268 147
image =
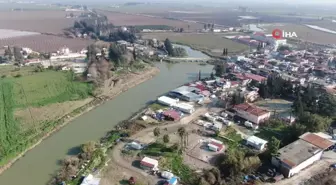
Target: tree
pixel 88 148
pixel 166 138
pixel 205 26
pixel 188 27
pixel 115 54
pixel 210 177
pixel 78 25
pixel 181 30
pixel 134 54
pixel 273 147
pixel 212 76
pixel 199 75
pixel 8 53
pixel 17 54
pixel 169 47
pixel 182 133
pixel 220 69
pixel 315 122
pixel 156 131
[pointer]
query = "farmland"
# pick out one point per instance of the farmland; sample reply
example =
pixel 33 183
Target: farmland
pixel 213 43
pixel 123 19
pixel 35 91
pixel 46 43
pixel 53 21
pixel 305 33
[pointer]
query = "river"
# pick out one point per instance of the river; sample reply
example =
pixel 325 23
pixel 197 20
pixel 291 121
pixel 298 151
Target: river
pixel 37 166
pixel 193 53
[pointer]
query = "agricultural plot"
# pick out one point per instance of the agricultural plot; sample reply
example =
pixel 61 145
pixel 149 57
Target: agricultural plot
pixel 20 96
pixel 123 19
pixel 52 21
pixel 4 33
pixel 47 87
pixel 214 43
pixel 46 43
pixel 305 33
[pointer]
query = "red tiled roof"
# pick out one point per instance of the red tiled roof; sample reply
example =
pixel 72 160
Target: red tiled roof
pixel 250 76
pixel 220 146
pixel 172 114
pixel 317 141
pixel 234 83
pixel 251 109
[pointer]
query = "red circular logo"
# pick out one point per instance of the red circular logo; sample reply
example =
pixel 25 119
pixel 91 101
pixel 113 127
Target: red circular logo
pixel 277 34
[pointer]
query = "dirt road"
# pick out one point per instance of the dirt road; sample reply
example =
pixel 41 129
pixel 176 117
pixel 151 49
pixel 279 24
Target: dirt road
pixel 119 165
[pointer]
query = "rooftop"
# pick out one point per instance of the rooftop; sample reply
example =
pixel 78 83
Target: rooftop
pixel 316 140
pixel 256 140
pixel 251 109
pixel 297 152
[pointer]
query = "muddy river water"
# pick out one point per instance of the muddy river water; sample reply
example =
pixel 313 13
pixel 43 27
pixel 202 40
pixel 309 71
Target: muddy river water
pixel 37 166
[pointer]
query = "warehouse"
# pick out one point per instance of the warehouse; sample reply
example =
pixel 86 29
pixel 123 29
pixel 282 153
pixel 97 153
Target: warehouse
pixel 300 154
pixel 187 93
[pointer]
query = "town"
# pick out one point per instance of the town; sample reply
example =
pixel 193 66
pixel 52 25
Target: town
pixel 217 105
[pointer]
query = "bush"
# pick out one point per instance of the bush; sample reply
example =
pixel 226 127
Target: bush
pixel 3 76
pixel 17 75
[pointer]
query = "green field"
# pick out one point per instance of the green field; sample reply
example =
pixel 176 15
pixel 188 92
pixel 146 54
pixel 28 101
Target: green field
pixel 36 90
pixel 212 43
pixel 46 88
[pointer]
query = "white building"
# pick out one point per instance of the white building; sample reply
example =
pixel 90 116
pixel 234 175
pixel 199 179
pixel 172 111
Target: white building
pixel 301 153
pixel 165 100
pixel 149 163
pixel 256 142
pixel 216 30
pixel 252 113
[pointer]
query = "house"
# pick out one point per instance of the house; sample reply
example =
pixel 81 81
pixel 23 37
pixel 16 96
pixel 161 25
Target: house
pixel 149 163
pixel 256 142
pixel 252 113
pixel 171 115
pixel 90 180
pixel 301 153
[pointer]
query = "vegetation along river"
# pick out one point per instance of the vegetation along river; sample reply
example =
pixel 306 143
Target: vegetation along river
pixel 37 166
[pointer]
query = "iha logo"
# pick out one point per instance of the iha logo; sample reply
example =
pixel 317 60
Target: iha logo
pixel 279 34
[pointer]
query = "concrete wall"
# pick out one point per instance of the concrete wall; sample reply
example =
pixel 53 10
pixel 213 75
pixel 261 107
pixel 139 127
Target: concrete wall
pixel 305 164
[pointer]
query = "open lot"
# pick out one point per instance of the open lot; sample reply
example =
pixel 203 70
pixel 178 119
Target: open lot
pixel 280 106
pixel 43 21
pixel 305 33
pixel 213 43
pixel 123 19
pixel 46 43
pixel 198 155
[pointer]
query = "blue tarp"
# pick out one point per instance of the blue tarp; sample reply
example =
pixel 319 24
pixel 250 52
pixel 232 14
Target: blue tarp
pixel 173 181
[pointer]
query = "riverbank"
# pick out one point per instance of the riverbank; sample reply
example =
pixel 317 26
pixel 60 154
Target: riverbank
pixel 125 82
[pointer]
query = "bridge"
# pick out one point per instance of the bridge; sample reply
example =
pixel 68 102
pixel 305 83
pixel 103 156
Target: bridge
pixel 189 59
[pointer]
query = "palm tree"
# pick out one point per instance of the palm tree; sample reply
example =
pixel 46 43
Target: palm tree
pixel 182 133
